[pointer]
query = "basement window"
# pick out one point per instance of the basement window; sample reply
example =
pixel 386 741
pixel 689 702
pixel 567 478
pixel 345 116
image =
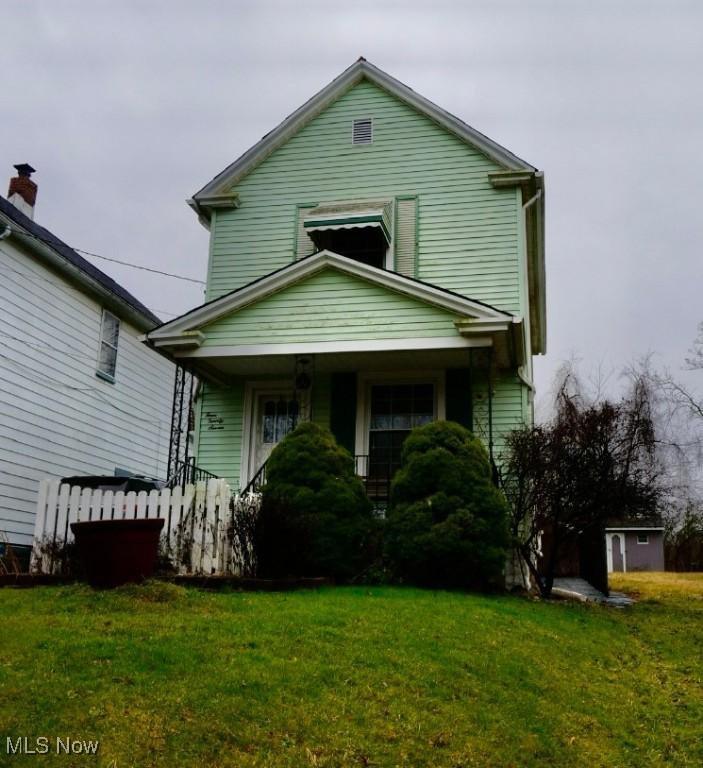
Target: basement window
pixel 362 131
pixel 107 356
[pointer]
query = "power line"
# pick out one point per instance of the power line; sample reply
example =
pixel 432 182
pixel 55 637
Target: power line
pixel 118 261
pixel 33 277
pixel 52 383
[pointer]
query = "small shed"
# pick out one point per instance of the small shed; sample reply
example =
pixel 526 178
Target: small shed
pixel 634 545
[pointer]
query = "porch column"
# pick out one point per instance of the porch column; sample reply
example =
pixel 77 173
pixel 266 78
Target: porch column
pixel 343 409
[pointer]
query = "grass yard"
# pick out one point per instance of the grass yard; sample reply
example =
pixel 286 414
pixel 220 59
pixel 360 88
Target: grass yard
pixel 165 676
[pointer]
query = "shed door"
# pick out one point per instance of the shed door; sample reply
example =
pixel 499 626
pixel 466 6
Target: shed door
pixel 616 543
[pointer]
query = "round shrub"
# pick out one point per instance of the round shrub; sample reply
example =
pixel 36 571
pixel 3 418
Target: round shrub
pixel 315 518
pixel 447 522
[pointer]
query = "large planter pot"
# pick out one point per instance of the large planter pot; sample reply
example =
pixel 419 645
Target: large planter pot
pixel 116 552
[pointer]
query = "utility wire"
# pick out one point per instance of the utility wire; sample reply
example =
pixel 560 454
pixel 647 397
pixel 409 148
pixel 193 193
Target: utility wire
pixel 52 383
pixel 116 261
pixel 33 277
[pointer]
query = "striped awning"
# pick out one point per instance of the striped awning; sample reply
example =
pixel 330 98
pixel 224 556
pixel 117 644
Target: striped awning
pixel 349 216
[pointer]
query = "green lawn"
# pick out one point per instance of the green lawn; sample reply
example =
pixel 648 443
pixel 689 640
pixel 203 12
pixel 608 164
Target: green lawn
pixel 164 676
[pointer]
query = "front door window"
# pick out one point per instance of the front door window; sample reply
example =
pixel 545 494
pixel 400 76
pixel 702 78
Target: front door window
pixel 276 416
pixel 395 410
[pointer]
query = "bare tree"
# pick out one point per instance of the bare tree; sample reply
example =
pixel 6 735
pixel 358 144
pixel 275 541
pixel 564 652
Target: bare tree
pixel 695 361
pixel 565 478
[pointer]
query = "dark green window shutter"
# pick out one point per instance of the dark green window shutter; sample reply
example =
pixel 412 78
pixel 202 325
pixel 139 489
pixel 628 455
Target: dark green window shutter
pixel 458 396
pixel 343 409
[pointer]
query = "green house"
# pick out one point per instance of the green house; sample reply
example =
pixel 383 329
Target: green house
pixel 375 264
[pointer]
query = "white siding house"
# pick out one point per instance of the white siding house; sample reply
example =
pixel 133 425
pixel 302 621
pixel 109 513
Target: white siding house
pixel 71 402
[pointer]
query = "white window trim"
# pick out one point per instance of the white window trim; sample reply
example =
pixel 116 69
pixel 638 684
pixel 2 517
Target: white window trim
pixel 98 370
pixel 645 536
pixel 252 390
pixel 363 398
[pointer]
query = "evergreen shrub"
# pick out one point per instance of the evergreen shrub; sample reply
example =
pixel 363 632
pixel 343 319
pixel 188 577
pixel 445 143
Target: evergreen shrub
pixel 315 518
pixel 447 521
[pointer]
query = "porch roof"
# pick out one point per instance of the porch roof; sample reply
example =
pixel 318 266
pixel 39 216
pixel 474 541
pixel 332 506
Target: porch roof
pixel 330 305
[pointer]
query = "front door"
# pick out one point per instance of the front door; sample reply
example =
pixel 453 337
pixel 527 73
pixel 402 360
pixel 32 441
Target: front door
pixel 275 415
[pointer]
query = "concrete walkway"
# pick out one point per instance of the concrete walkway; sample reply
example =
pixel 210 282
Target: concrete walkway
pixel 580 589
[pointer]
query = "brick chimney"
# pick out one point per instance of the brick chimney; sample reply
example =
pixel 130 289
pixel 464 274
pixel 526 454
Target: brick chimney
pixel 23 191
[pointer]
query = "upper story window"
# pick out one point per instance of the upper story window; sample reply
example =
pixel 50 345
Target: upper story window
pixel 359 230
pixel 365 244
pixel 109 336
pixel 642 538
pixel 362 230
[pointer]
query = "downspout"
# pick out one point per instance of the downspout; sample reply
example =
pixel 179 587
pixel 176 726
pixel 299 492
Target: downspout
pixel 490 405
pixel 527 379
pixel 524 379
pixel 6 233
pixel 532 200
pixel 471 388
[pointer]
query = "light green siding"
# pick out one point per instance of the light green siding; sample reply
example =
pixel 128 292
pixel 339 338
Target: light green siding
pixel 468 231
pixel 508 407
pixel 220 431
pixel 329 306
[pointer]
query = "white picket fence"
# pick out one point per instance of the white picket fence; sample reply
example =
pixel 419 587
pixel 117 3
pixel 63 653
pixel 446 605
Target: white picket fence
pixel 194 536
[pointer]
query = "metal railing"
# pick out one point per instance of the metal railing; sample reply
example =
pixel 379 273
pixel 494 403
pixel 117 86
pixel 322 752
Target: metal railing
pixel 257 482
pixel 186 472
pixel 376 476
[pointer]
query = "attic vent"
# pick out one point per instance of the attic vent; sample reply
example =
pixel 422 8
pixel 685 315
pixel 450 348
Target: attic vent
pixel 362 131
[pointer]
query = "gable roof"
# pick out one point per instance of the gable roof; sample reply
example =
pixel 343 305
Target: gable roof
pixel 50 248
pixel 183 330
pixel 214 190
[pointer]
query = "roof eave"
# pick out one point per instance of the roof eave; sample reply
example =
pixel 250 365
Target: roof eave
pixel 304 268
pixel 77 276
pixel 361 69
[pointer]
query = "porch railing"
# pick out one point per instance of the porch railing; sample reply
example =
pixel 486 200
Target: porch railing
pixel 257 482
pixel 376 476
pixel 186 473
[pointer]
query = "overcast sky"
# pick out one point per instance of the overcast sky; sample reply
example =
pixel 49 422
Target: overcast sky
pixel 127 108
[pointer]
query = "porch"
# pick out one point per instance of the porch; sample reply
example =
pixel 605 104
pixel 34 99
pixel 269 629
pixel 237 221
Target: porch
pixel 365 352
pixel 369 401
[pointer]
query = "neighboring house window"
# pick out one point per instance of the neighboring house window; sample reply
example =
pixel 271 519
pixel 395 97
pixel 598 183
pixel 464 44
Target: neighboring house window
pixel 109 335
pixel 642 538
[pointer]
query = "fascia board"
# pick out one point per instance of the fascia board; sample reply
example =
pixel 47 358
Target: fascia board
pixel 640 528
pixel 350 77
pixel 337 347
pixel 305 268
